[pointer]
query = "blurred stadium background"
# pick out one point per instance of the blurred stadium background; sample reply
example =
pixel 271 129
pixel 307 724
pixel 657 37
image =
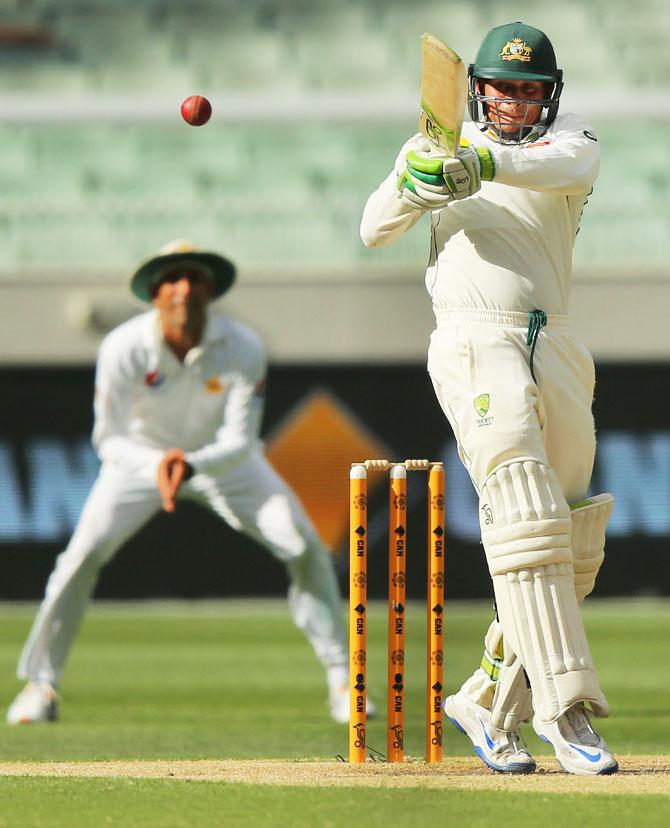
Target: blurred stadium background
pixel 312 100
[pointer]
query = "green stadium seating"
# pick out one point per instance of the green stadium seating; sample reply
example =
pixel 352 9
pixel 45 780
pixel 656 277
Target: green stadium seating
pixel 73 195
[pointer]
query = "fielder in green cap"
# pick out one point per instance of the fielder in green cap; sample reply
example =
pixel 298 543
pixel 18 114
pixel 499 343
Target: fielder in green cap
pixel 516 387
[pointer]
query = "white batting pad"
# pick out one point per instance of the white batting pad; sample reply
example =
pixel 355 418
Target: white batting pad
pixel 512 700
pixel 589 524
pixel 526 528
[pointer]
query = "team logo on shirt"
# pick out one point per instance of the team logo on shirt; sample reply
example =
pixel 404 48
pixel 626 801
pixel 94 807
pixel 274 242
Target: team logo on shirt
pixel 516 49
pixel 482 404
pixel 214 385
pixel 153 379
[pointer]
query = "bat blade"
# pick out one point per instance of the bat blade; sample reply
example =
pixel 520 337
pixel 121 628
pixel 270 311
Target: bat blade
pixel 444 87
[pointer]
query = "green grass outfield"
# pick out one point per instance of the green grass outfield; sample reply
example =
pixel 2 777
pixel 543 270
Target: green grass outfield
pixel 235 680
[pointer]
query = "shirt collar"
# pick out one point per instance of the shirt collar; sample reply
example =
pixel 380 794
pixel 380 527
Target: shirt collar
pixel 216 329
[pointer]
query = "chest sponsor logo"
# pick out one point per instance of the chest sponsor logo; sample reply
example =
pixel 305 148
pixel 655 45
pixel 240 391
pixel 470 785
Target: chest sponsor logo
pixel 214 385
pixel 516 49
pixel 482 404
pixel 154 379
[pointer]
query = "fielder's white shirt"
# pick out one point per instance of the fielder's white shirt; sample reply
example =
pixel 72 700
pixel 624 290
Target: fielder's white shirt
pixel 509 246
pixel 147 401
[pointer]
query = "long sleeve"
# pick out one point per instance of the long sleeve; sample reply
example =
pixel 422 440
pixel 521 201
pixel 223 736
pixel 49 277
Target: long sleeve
pixel 565 162
pixel 112 408
pixel 386 217
pixel 242 414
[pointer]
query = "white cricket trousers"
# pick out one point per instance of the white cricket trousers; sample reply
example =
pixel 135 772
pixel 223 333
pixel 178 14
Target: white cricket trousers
pixel 253 499
pixel 478 360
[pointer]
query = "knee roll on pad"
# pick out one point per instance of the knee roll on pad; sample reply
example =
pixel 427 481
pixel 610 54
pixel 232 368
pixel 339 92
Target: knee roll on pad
pixel 524 517
pixel 526 529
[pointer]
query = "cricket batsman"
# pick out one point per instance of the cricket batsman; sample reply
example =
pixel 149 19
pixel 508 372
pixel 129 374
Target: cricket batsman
pixel 516 386
pixel 178 407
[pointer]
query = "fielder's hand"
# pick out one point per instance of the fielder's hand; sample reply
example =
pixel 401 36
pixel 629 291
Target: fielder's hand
pixel 173 470
pixel 421 185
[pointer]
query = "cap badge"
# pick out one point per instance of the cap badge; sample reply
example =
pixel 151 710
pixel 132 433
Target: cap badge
pixel 516 49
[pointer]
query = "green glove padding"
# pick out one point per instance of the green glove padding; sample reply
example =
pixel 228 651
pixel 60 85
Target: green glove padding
pixel 430 166
pixel 421 184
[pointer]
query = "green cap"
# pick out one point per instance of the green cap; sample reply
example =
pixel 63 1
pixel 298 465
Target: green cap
pixel 516 51
pixel 182 253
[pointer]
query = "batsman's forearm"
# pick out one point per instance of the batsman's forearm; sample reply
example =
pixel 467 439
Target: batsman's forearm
pixel 386 217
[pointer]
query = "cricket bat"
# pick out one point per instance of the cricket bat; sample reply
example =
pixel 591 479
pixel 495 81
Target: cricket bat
pixel 444 87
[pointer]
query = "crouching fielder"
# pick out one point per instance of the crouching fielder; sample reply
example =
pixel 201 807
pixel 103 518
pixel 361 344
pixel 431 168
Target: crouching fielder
pixel 178 404
pixel 516 386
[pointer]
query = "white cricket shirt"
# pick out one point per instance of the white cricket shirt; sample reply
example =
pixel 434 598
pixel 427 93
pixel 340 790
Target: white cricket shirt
pixel 147 401
pixel 509 246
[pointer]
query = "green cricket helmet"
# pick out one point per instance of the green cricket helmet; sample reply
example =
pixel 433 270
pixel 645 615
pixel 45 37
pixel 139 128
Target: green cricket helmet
pixel 515 51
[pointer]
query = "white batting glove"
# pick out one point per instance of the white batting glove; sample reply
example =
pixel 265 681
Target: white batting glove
pixel 464 173
pixel 422 185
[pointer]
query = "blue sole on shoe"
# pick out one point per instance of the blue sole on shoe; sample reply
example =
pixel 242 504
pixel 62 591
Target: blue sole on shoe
pixel 488 763
pixel 521 769
pixel 609 771
pixel 603 772
pixel 513 768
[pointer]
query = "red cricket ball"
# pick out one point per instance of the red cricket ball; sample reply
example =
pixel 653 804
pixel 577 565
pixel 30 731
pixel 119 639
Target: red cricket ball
pixel 196 110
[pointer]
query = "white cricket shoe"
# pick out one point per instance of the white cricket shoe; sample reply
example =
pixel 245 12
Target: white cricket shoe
pixel 579 749
pixel 339 706
pixel 37 702
pixel 500 750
